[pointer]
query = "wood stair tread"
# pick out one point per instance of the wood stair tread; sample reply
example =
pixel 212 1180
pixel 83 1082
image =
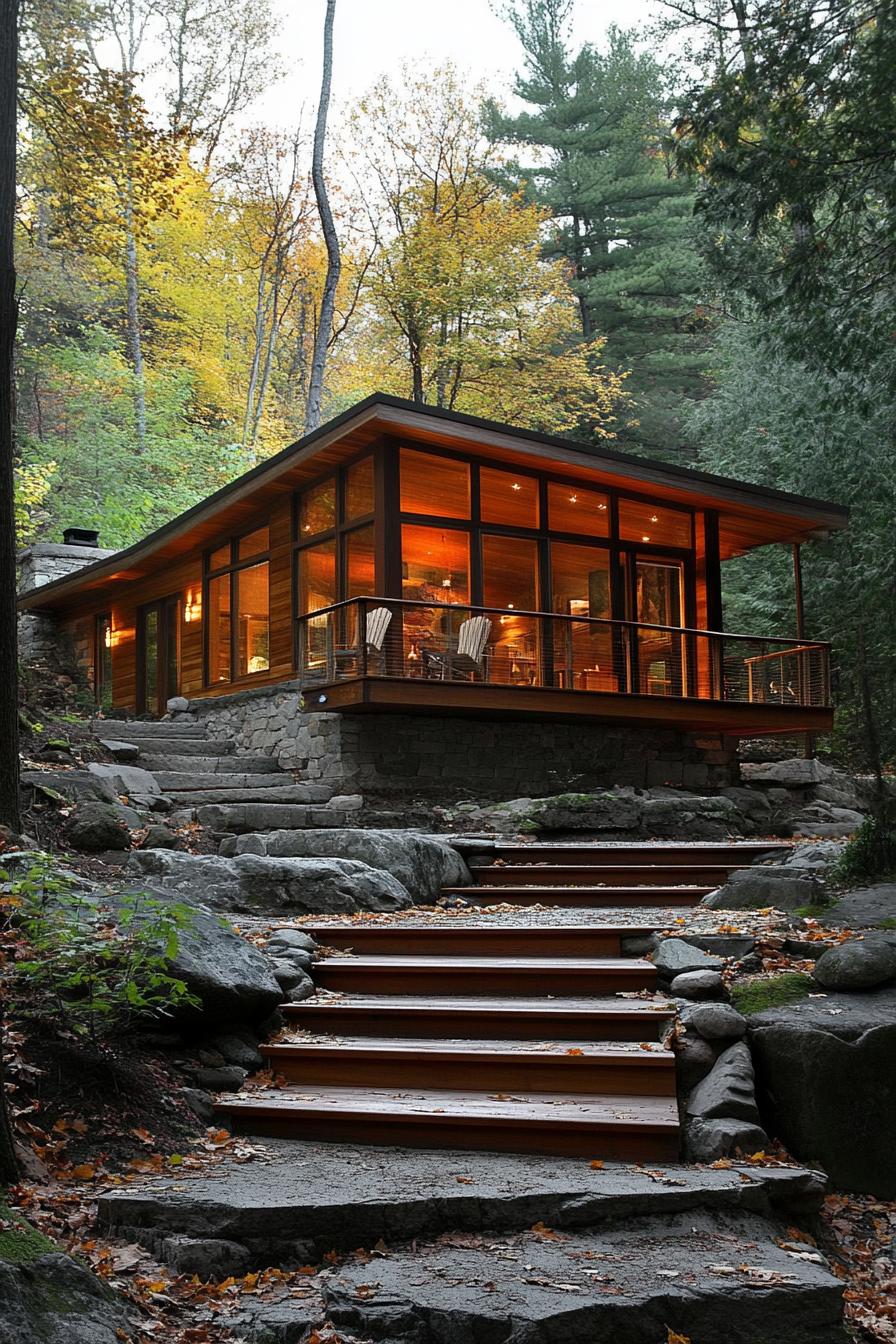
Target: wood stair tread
pixel 657 1056
pixel 383 961
pixel 436 1004
pixel 568 1109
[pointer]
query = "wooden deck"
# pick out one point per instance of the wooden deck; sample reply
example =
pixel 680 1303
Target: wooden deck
pixel 408 696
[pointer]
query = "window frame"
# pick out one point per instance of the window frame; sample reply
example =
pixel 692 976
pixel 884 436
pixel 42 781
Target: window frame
pixel 230 570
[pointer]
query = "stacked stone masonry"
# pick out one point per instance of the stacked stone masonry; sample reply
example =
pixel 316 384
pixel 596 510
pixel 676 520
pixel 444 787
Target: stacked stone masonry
pixel 392 754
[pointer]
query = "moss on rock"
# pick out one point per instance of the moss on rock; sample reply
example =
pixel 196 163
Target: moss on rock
pixel 754 996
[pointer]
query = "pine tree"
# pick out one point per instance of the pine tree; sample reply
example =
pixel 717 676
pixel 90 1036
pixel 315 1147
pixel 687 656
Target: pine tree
pixel 596 122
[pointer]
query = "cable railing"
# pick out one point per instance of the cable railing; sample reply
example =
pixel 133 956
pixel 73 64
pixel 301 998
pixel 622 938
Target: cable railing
pixel 495 646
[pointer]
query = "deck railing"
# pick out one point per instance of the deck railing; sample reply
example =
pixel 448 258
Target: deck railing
pixel 388 637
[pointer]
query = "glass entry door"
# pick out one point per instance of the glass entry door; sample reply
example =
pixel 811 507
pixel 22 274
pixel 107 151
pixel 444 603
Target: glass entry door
pixel 158 654
pixel 660 656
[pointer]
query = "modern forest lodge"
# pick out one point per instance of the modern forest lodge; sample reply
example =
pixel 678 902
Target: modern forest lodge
pixel 406 559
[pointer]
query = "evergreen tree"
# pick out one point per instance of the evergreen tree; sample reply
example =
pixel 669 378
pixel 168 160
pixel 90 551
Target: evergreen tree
pixel 594 126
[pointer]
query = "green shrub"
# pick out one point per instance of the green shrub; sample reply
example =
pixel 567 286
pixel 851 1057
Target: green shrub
pixel 91 966
pixel 755 995
pixel 871 853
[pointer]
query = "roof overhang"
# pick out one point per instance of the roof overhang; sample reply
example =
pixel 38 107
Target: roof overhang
pixel 750 515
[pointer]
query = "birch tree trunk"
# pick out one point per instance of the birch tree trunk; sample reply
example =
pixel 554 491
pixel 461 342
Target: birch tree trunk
pixel 328 303
pixel 9 710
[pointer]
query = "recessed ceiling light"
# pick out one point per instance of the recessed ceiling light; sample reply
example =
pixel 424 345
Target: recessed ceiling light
pixel 654 518
pixel 645 538
pixel 602 507
pixel 516 486
pixel 573 499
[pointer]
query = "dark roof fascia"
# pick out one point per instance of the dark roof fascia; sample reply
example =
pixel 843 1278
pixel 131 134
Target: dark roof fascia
pixel 824 513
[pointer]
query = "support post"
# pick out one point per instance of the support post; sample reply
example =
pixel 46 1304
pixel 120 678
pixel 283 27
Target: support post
pixel 809 738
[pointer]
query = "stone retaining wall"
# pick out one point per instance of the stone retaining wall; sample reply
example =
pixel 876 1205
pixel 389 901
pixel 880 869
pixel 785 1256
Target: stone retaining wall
pixel 392 754
pixel 41 639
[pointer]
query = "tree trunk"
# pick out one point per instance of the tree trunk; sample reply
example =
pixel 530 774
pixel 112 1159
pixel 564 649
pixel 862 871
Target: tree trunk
pixel 9 709
pixel 328 303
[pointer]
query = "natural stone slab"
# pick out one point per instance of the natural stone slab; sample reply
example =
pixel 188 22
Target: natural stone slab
pixel 708 1140
pixel 715 1021
pixel 674 957
pixel 863 908
pixel 697 985
pixel 798 773
pixel 655 1279
pixel 343 1196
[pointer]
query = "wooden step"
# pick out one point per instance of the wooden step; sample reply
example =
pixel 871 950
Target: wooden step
pixel 496 1066
pixel 581 898
pixel 497 939
pixel 627 1128
pixel 485 1018
pixel 713 853
pixel 484 975
pixel 587 875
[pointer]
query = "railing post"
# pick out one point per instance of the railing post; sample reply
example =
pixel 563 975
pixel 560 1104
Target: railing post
pixel 302 649
pixel 569 657
pixel 362 636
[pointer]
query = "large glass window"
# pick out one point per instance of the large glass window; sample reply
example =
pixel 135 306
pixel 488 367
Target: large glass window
pixel 580 580
pixel 510 581
pixel 317 509
pixel 359 490
pixel 360 563
pixel 653 524
pixel 253 620
pixel 507 498
pixel 435 564
pixel 234 651
pixel 434 485
pixel 218 615
pixel 574 509
pixel 583 652
pixel 317 577
pixel 102 671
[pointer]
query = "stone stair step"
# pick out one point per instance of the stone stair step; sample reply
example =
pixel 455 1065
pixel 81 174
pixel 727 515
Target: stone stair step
pixel 583 897
pixel 480 1065
pixel 532 1019
pixel 180 780
pixel 475 940
pixel 478 975
pixel 344 1195
pixel 243 818
pixel 588 875
pixel 224 764
pixel 629 1128
pixel 698 1276
pixel 245 793
pixel 128 730
pixel 159 748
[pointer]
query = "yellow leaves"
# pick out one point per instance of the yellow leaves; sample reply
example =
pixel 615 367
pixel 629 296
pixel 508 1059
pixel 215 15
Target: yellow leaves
pixel 673 1338
pixel 596 1165
pixel 85 1171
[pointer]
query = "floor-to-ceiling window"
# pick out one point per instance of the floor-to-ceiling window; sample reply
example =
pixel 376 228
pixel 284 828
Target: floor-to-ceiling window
pixel 237 608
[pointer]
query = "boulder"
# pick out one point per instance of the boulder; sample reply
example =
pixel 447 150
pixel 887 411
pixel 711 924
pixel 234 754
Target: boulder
pixel 95 827
pixel 120 751
pixel 765 885
pixel 799 772
pixel 708 1140
pixel 292 938
pixel 674 957
pixel 178 704
pixel 826 1077
pixel 697 985
pixel 256 883
pixel 205 1257
pixel 694 1058
pixel 864 908
pixel 817 855
pixel 422 864
pixel 673 814
pixel 715 1021
pixel 239 1048
pixel 229 976
pixel 50 1299
pixel 221 1078
pixel 860 963
pixel 727 1093
pixel 616 810
pixel 160 837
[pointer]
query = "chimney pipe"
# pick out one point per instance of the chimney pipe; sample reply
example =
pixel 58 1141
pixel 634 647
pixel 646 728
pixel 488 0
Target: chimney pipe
pixel 80 536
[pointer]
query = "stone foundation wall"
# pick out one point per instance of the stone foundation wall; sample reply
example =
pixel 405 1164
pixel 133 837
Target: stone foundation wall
pixel 424 755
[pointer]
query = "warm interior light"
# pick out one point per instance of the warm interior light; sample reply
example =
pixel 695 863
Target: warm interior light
pixel 107 637
pixel 645 538
pixel 602 507
pixel 446 582
pixel 192 607
pixel 573 499
pixel 510 606
pixel 516 486
pixel 654 518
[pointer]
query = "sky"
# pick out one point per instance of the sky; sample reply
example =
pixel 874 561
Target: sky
pixel 376 36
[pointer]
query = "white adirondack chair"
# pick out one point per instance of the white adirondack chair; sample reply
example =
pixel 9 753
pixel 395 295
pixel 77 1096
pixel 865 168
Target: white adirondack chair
pixel 378 622
pixel 472 641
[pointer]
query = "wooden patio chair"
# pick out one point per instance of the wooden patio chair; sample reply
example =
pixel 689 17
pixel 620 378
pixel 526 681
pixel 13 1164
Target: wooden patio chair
pixel 378 622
